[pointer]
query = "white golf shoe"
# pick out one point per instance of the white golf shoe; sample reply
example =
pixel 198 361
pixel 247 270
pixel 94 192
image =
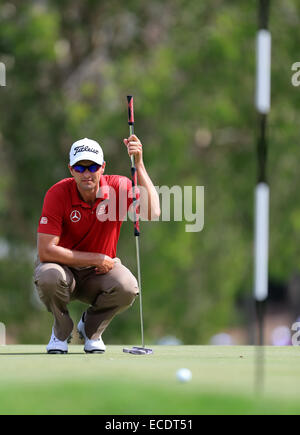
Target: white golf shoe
pixel 90 346
pixel 56 346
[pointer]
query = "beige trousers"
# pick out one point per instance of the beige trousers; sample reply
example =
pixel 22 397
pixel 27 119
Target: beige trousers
pixel 107 295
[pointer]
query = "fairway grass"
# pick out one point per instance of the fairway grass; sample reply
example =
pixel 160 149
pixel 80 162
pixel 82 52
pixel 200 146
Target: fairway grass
pixel 223 382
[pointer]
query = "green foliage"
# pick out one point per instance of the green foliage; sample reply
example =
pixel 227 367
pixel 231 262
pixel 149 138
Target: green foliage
pixel 191 68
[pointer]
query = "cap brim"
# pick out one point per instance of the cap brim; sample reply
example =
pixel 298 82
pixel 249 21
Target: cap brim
pixel 86 156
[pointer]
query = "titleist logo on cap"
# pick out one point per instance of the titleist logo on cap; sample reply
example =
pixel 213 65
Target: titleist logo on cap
pixel 82 148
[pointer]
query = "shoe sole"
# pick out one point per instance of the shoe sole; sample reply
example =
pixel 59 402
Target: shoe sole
pixel 94 351
pixel 56 352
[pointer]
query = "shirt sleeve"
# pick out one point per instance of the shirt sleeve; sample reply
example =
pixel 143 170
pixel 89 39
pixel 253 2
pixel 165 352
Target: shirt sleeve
pixel 52 213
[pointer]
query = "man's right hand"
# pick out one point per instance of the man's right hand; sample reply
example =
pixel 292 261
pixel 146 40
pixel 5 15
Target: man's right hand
pixel 106 264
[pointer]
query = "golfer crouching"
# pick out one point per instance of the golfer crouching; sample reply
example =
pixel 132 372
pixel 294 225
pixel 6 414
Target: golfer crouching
pixel 77 246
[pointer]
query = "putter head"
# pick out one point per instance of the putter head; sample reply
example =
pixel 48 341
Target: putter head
pixel 135 350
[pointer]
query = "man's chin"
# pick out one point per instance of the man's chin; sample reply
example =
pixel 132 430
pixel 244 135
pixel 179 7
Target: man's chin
pixel 87 185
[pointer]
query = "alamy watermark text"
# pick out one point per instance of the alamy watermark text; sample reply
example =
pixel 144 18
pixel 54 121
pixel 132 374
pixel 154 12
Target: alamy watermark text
pixel 296 76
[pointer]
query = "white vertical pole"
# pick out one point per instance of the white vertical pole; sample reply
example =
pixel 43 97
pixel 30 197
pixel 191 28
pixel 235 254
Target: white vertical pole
pixel 263 71
pixel 261 244
pixel 2 334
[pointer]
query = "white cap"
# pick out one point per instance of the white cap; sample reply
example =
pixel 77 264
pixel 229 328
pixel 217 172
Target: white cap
pixel 86 149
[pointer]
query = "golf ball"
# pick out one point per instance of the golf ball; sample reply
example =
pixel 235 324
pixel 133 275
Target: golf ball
pixel 184 375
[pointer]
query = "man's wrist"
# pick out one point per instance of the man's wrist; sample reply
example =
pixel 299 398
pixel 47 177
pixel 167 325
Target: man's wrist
pixel 140 165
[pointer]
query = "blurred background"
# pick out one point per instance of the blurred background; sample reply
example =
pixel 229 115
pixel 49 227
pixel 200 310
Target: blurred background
pixel 191 68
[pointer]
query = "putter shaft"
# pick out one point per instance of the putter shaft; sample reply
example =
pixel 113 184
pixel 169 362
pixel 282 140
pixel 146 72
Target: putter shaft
pixel 140 286
pixel 133 169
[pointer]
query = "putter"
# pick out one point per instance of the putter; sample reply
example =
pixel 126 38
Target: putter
pixel 136 350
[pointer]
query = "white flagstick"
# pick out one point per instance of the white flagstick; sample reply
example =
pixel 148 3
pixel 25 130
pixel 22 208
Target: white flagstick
pixel 261 242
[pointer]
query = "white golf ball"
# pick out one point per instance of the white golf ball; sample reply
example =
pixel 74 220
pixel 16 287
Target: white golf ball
pixel 184 375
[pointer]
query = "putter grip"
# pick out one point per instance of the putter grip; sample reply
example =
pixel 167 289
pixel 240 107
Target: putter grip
pixel 133 170
pixel 130 110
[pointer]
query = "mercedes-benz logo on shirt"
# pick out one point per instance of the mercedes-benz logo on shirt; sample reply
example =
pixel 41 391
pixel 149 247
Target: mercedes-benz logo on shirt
pixel 75 216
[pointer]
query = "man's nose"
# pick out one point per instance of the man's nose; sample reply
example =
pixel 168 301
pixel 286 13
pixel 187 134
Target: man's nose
pixel 86 172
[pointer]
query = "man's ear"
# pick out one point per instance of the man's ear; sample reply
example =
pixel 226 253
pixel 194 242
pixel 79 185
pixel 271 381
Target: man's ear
pixel 103 168
pixel 70 169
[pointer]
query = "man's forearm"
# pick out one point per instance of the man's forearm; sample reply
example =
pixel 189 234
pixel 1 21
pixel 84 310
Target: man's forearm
pixel 58 254
pixel 149 199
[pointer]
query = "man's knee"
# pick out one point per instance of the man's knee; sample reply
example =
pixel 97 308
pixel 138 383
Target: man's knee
pixel 51 281
pixel 128 289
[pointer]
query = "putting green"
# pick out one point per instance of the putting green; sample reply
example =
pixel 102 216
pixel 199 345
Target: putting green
pixel 223 382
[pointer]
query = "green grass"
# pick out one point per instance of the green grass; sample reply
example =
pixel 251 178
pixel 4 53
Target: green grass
pixel 223 382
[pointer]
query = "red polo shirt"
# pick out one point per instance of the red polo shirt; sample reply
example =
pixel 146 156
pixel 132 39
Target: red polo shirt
pixel 80 226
